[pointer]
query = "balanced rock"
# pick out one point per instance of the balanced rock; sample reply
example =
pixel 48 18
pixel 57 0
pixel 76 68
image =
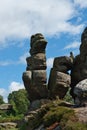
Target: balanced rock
pixel 58 84
pixel 35 77
pixel 38 44
pixel 36 62
pixel 39 77
pixel 80 91
pixel 59 79
pixel 63 64
pixel 35 37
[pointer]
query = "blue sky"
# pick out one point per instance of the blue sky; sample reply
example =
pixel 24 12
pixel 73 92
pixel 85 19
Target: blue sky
pixel 60 21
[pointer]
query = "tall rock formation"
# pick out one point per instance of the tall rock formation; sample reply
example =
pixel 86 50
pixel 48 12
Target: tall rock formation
pixel 60 80
pixel 79 70
pixel 35 76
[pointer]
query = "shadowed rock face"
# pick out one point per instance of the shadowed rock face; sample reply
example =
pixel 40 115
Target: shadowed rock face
pixel 35 77
pixel 79 70
pixel 58 84
pixel 63 64
pixel 59 79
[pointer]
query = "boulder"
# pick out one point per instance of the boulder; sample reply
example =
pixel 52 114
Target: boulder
pixel 8 126
pixel 35 84
pixel 35 37
pixel 84 36
pixel 63 64
pixel 58 84
pixel 36 62
pixel 83 49
pixel 6 106
pixel 38 92
pixel 79 70
pixel 39 47
pixel 38 44
pixel 26 77
pixel 80 91
pixel 39 77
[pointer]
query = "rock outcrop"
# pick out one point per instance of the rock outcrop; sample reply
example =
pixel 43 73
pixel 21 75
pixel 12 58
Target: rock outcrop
pixel 8 126
pixel 80 91
pixel 6 107
pixel 63 64
pixel 60 80
pixel 35 79
pixel 47 114
pixel 79 70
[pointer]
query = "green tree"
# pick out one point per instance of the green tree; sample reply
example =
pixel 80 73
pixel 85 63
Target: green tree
pixel 1 100
pixel 19 101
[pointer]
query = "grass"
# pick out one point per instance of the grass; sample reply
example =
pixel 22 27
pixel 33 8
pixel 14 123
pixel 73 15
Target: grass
pixel 11 118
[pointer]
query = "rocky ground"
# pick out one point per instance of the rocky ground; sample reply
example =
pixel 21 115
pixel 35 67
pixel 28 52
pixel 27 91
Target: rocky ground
pixel 57 115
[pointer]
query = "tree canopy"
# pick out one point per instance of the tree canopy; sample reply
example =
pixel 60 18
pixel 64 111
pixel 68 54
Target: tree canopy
pixel 19 101
pixel 1 100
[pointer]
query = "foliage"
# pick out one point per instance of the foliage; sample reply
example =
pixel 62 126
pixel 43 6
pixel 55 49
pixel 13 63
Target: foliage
pixel 9 129
pixel 1 100
pixel 19 101
pixel 68 97
pixel 70 125
pixel 56 114
pixel 11 118
pixel 64 116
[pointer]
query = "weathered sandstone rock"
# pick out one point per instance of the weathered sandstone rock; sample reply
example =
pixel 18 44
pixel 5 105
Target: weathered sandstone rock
pixel 80 91
pixel 37 92
pixel 27 76
pixel 58 83
pixel 39 77
pixel 36 62
pixel 35 77
pixel 38 44
pixel 6 106
pixel 63 64
pixel 8 125
pixel 79 70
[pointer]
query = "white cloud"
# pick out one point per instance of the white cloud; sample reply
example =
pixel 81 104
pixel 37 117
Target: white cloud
pixel 14 86
pixel 22 18
pixel 82 3
pixel 2 91
pixel 4 63
pixel 73 45
pixel 50 62
pixel 22 59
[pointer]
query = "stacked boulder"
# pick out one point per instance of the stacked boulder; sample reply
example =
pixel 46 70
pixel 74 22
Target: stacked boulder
pixel 35 76
pixel 80 92
pixel 79 70
pixel 59 80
